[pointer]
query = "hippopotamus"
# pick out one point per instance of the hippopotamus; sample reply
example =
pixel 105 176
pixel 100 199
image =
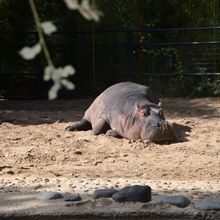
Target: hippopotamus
pixel 128 110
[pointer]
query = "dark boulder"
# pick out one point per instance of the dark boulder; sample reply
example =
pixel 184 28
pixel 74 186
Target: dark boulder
pixel 134 193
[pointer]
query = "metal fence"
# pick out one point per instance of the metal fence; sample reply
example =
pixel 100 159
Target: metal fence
pixel 122 53
pixel 191 51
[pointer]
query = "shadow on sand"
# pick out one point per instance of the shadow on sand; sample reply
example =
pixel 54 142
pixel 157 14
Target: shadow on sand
pixel 41 112
pixel 182 132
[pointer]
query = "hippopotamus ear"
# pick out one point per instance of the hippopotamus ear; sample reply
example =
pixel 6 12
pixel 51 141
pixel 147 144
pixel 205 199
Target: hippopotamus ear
pixel 161 112
pixel 160 109
pixel 141 110
pixel 160 104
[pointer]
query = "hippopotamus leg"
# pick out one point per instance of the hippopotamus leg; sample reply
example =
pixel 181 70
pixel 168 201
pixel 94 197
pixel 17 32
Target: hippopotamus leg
pixel 101 126
pixel 82 125
pixel 113 133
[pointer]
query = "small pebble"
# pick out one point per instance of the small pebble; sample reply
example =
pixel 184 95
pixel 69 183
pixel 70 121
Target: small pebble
pixel 72 198
pixel 46 180
pixel 38 186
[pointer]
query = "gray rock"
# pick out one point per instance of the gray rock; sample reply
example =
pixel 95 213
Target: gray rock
pixel 179 201
pixel 208 203
pixel 72 198
pixel 49 196
pixel 134 193
pixel 104 193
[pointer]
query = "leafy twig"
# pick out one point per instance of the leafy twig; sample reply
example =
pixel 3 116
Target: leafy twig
pixel 40 33
pixel 57 75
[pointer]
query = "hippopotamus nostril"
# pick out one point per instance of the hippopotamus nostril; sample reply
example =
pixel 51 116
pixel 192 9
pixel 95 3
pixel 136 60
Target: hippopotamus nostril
pixel 155 124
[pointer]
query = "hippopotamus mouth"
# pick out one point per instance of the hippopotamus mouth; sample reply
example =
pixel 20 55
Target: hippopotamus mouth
pixel 161 133
pixel 157 130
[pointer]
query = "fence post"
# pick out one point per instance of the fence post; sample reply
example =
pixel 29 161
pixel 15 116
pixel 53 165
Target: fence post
pixel 130 58
pixel 39 74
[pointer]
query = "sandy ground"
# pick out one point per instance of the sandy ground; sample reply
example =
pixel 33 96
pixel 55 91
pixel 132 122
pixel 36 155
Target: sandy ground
pixel 35 148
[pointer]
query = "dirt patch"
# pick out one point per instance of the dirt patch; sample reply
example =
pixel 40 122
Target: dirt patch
pixel 33 142
pixel 37 154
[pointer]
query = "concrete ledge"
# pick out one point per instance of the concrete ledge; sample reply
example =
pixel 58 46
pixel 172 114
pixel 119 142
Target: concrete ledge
pixel 24 205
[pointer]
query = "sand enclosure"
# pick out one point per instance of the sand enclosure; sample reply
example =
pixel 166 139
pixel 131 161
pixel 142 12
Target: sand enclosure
pixel 33 142
pixel 35 148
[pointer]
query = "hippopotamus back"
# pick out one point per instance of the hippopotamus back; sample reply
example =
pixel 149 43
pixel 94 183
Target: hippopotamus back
pixel 119 99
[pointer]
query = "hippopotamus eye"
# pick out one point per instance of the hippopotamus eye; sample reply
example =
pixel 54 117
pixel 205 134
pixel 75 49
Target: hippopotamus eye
pixel 161 113
pixel 144 112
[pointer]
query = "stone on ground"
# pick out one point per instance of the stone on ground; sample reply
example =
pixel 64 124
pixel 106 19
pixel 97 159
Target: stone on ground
pixel 179 201
pixel 136 193
pixel 104 193
pixel 208 203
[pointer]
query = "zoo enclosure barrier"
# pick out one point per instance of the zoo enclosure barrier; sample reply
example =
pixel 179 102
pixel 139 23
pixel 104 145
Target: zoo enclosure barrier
pixel 124 53
pixel 192 51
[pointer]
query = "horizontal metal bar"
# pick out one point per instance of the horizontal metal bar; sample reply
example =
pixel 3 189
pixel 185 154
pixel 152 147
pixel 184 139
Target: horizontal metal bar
pixel 145 30
pixel 180 43
pixel 146 73
pixel 176 74
pixel 134 45
pixel 193 43
pixel 125 30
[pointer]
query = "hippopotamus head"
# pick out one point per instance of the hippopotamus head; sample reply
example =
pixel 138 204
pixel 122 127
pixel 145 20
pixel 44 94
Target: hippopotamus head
pixel 154 126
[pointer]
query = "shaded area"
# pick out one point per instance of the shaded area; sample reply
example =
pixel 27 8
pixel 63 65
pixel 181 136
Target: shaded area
pixel 181 131
pixel 44 105
pixel 200 107
pixel 20 202
pixel 40 112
